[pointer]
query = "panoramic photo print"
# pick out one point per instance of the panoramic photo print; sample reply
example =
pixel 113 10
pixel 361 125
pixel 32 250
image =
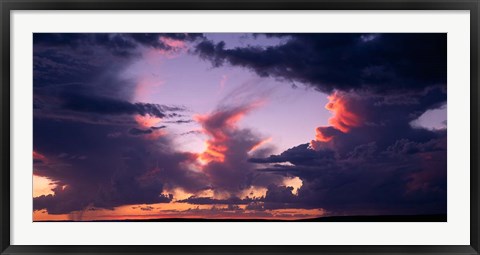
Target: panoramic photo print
pixel 240 127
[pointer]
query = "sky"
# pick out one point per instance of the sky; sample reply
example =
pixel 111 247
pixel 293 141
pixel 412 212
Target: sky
pixel 238 126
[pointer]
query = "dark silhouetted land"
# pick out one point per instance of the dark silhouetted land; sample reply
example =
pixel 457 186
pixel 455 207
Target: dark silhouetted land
pixel 369 218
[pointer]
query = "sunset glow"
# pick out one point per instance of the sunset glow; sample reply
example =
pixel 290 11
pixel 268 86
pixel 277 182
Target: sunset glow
pixel 343 118
pixel 147 120
pixel 218 126
pixel 42 186
pixel 259 144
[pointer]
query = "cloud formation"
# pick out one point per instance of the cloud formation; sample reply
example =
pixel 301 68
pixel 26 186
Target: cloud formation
pixel 226 155
pixel 82 106
pixel 381 165
pixel 343 61
pixel 103 149
pixel 123 45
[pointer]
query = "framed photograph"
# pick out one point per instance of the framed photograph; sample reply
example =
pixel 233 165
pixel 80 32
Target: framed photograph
pixel 239 127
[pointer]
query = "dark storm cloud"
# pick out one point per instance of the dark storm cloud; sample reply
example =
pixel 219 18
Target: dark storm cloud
pixel 382 184
pixel 94 60
pixel 112 172
pixel 105 105
pixel 123 45
pixel 94 109
pixel 385 124
pixel 280 197
pixel 298 155
pixel 66 201
pixel 137 131
pixel 370 160
pixel 381 166
pixel 77 78
pixel 374 62
pixel 82 106
pixel 280 194
pixel 405 146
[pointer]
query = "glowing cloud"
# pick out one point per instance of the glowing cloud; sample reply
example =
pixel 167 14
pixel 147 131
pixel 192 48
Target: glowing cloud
pixel 219 126
pixel 294 182
pixel 175 44
pixel 226 154
pixel 321 136
pixel 213 152
pixel 259 144
pixel 38 156
pixel 147 121
pixel 254 192
pixel 156 133
pixel 173 47
pixel 42 186
pixel 343 120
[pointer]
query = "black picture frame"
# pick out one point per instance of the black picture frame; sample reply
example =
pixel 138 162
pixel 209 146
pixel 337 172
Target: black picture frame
pixel 9 5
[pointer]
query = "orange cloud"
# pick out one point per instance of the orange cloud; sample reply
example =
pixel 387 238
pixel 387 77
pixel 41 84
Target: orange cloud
pixel 38 156
pixel 294 182
pixel 147 120
pixel 175 44
pixel 343 120
pixel 43 215
pixel 321 136
pixel 42 186
pixel 213 152
pixel 218 127
pixel 175 47
pixel 259 144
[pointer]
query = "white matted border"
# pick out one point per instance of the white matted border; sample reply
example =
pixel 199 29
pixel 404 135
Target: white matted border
pixel 455 232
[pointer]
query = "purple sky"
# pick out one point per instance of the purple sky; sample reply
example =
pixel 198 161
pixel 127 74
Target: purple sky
pixel 228 125
pixel 184 79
